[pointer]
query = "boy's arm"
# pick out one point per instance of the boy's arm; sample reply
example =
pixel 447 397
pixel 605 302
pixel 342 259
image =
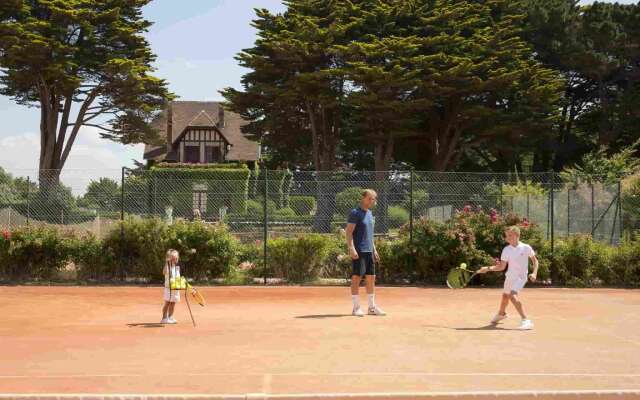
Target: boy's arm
pixel 499 266
pixel 350 247
pixel 534 275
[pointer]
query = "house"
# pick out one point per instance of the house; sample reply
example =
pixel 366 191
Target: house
pixel 201 132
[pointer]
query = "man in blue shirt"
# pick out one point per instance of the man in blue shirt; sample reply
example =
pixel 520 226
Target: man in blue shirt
pixel 363 252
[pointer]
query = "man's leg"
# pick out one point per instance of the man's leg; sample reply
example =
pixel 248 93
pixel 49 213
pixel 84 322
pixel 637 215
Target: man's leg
pixel 371 286
pixel 356 278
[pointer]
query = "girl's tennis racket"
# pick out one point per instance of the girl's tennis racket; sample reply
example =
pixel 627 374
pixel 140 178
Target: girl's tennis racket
pixel 197 296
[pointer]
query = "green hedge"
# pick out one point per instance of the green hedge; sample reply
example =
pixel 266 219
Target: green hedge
pixel 224 187
pixel 136 250
pixel 303 205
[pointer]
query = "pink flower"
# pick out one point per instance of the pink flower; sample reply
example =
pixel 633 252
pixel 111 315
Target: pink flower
pixel 6 235
pixel 467 209
pixel 525 222
pixel 493 214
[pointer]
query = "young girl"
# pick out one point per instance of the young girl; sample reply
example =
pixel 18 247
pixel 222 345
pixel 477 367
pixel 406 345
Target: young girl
pixel 171 296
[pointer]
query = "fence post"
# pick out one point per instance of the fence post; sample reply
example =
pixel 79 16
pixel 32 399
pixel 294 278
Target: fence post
pixel 501 208
pixel 620 209
pixel 265 232
pixel 28 198
pixel 411 249
pixel 617 215
pixel 568 212
pixel 411 209
pixel 526 183
pixel 593 211
pixel 554 272
pixel 121 272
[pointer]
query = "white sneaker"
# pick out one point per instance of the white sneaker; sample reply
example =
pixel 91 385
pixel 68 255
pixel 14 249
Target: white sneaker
pixel 526 324
pixel 498 318
pixel 357 312
pixel 170 320
pixel 164 321
pixel 376 311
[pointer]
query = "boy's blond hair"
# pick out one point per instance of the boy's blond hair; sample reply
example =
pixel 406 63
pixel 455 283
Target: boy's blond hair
pixel 513 229
pixel 369 192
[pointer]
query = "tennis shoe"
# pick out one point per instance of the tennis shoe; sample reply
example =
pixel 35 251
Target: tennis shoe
pixel 526 325
pixel 498 318
pixel 172 321
pixel 376 311
pixel 164 321
pixel 357 312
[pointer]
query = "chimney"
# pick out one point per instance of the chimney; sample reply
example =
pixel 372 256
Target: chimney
pixel 220 116
pixel 169 127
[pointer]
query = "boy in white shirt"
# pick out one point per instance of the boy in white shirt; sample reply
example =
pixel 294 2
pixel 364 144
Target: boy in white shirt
pixel 516 255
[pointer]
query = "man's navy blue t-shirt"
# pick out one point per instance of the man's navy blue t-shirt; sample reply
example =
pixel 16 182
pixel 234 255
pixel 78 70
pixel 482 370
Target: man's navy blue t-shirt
pixel 363 232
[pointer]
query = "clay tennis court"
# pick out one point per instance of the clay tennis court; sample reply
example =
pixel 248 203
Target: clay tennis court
pixel 273 342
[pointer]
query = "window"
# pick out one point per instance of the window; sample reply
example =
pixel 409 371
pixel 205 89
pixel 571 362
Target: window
pixel 213 154
pixel 191 154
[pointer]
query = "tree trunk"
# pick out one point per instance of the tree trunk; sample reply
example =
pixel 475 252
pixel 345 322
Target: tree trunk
pixel 325 136
pixel 383 153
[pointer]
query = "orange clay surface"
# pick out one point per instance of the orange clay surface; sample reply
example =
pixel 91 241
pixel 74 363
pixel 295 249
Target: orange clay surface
pixel 293 340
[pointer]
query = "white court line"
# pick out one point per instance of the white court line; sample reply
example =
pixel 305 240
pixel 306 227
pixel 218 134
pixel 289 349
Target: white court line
pixel 311 396
pixel 272 374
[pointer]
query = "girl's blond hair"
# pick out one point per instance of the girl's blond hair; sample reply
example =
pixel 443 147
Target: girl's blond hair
pixel 171 253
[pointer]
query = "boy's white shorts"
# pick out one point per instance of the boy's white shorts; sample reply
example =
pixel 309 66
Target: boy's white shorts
pixel 514 284
pixel 172 296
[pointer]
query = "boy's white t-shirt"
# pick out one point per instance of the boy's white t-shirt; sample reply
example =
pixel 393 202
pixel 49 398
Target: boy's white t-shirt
pixel 518 259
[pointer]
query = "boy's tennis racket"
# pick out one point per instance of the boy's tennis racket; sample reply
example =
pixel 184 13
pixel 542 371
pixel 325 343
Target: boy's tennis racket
pixel 459 277
pixel 197 296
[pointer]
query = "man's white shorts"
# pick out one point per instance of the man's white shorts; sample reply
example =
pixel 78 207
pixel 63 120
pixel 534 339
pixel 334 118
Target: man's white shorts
pixel 514 284
pixel 172 296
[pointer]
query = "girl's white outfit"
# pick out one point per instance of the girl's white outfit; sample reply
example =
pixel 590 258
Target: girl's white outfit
pixel 171 295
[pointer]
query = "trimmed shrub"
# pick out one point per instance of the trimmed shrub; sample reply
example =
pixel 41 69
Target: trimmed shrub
pixel 285 213
pixel 625 263
pixel 580 260
pixel 91 264
pixel 397 216
pixel 303 205
pixel 34 253
pixel 420 202
pixel 394 260
pixel 175 186
pixel 298 259
pixel 347 200
pixel 136 248
pixel 438 248
pixel 206 250
pixel 631 202
pixel 255 208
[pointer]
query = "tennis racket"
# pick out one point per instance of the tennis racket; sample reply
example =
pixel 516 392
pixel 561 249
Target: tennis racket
pixel 459 277
pixel 197 296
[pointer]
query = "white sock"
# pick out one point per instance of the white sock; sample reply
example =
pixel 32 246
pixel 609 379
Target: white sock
pixel 356 300
pixel 372 301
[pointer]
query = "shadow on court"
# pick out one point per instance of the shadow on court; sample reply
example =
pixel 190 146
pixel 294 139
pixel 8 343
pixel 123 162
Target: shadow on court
pixel 490 327
pixel 320 316
pixel 146 325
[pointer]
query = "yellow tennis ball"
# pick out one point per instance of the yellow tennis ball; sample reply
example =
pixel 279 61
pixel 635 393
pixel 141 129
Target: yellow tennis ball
pixel 463 266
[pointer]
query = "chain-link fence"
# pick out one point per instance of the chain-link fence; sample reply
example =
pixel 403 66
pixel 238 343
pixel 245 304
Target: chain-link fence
pixel 261 204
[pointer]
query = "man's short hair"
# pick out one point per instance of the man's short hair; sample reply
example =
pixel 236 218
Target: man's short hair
pixel 369 192
pixel 513 229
